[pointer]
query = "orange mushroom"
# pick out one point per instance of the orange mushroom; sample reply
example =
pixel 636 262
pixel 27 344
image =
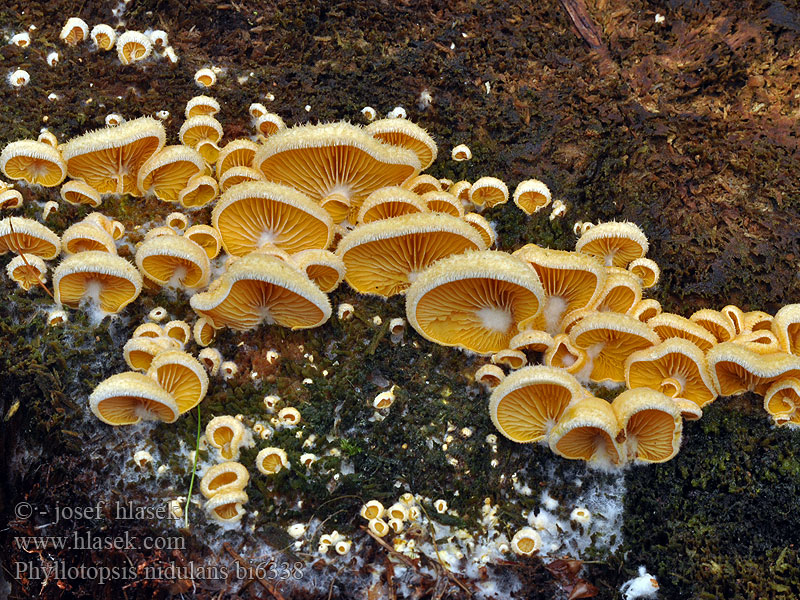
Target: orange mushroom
pixel 33 161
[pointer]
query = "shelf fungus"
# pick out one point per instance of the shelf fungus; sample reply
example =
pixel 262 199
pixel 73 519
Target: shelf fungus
pixel 202 133
pixel 443 202
pixel 531 196
pixel 385 257
pixel 736 369
pixel 128 398
pixel 483 227
pixel 668 325
pixel 178 331
pixel 103 36
pixel 646 309
pixel 33 161
pixel 252 215
pixel 422 184
pixel 206 237
pixel 227 435
pixel 621 292
pixel 269 124
pixel 84 236
pixel 526 542
pixel 786 327
pixel 173 260
pixel 650 425
pixel 26 236
pixel 27 270
pixel 74 31
pixel 588 431
pixel 271 460
pixel 564 355
pixel 78 192
pixel 139 352
pixel 528 403
pixel 405 134
pixel 236 175
pixel 105 278
pixel 322 267
pixel 388 202
pixel 260 288
pixel 336 164
pixel 488 192
pixel 199 191
pixel 167 173
pixel 10 199
pixel 675 367
pixel 203 332
pixel 647 270
pixel 571 282
pixel 608 339
pixel 201 106
pixel 133 46
pixel 513 359
pixel 109 159
pixel 461 153
pixel 617 244
pixel 226 508
pixel 224 478
pixel 782 402
pixel 475 300
pixel 236 153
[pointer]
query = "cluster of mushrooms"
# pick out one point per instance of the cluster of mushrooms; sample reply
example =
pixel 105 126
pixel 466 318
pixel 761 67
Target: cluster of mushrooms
pixel 297 210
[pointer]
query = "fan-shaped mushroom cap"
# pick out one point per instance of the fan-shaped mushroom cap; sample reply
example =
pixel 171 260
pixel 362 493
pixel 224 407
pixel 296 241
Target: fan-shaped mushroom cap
pixel 644 310
pixel 168 172
pixel 203 332
pixel 226 508
pixel 133 46
pixel 83 236
pixel 127 398
pixel 35 162
pixel 109 159
pixel 227 435
pixel 201 105
pixel 443 202
pixel 223 478
pixel 173 259
pixel 322 267
pixel 529 402
pixel 460 189
pixel 782 401
pixel 404 133
pixel 79 192
pixel 236 153
pixel 651 425
pixel 675 367
pixel 182 376
pixel 761 341
pixel 206 237
pixel 513 359
pixel 28 237
pixel 10 199
pixel 571 282
pixel 271 460
pixel 336 164
pixel 178 331
pixel 757 320
pixel 253 214
pixel 422 184
pixel 199 191
pixel 158 232
pixel 140 351
pixel 786 327
pixel 259 288
pixel 27 270
pixel 205 77
pixel 461 152
pixel 75 30
pixel 609 338
pixel 388 202
pixel 107 278
pixel 211 360
pixel 736 369
pixel 735 314
pixel 526 541
pixel 531 339
pixel 716 323
pixel 488 192
pixel 564 355
pixel 177 220
pixel 199 129
pixel 104 36
pixel 622 291
pixel 384 257
pixel 113 228
pixel 269 124
pixel 588 431
pixel 149 330
pixel 490 375
pixel 483 227
pixel 668 325
pixel 236 175
pixel 647 270
pixel 615 243
pixel 531 196
pixel 476 300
